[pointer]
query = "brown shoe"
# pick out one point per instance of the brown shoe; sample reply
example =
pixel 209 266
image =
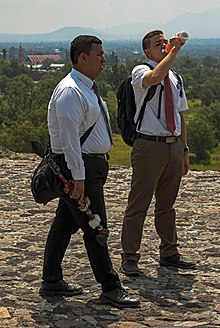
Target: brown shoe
pixel 178 261
pixel 130 268
pixel 119 298
pixel 59 288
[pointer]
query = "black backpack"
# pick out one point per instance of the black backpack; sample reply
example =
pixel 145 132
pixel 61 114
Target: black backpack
pixel 127 107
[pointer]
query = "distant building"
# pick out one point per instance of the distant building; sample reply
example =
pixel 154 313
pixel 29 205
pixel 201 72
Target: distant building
pixel 56 67
pixel 21 55
pixel 39 59
pixel 111 60
pixel 57 51
pixel 4 54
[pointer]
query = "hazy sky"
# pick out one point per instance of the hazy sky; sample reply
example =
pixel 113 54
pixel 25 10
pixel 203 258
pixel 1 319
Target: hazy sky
pixel 41 16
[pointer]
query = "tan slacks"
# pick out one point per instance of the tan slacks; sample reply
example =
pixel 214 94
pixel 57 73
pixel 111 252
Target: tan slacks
pixel 157 169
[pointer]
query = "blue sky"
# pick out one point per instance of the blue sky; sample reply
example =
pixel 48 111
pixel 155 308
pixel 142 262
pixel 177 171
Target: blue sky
pixel 41 16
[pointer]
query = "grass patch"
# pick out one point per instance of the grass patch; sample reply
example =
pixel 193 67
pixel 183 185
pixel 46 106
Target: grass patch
pixel 214 163
pixel 120 153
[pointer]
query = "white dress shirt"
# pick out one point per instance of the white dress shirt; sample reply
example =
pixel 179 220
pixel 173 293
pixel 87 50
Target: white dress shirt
pixel 151 125
pixel 72 109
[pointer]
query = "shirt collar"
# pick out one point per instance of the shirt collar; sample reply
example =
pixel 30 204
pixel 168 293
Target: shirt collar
pixel 85 79
pixel 152 63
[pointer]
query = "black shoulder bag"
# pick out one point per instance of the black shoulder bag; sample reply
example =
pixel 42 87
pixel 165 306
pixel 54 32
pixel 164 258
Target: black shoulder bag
pixel 46 184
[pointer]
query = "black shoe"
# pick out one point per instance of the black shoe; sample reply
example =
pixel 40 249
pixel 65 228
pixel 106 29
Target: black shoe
pixel 130 268
pixel 59 288
pixel 178 261
pixel 119 298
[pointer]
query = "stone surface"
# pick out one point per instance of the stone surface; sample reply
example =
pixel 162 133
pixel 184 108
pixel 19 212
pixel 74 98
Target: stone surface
pixel 4 313
pixel 169 297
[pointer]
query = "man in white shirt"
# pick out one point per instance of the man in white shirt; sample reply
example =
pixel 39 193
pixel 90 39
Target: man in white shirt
pixel 73 109
pixel 159 156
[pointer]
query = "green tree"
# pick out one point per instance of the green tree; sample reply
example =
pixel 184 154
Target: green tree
pixel 12 68
pixel 44 88
pixel 23 103
pixel 201 138
pixel 212 115
pixel 210 91
pixel 112 107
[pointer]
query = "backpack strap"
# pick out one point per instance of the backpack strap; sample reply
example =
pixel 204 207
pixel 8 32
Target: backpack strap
pixel 149 96
pixel 179 84
pixel 160 100
pixel 151 93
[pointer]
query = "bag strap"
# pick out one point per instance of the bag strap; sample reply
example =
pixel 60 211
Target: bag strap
pixel 38 149
pixel 86 134
pixel 82 139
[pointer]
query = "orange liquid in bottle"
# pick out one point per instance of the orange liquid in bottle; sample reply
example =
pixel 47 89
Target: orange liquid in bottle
pixel 182 36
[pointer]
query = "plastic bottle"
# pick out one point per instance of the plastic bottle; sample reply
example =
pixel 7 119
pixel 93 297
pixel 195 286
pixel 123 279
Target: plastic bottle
pixel 182 36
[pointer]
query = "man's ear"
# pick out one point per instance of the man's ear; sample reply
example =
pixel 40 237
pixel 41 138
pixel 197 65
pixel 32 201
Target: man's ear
pixel 147 52
pixel 82 58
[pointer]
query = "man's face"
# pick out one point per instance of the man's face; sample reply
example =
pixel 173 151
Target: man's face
pixel 157 45
pixel 95 61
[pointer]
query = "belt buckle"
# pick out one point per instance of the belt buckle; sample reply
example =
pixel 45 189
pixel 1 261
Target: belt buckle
pixel 170 139
pixel 106 157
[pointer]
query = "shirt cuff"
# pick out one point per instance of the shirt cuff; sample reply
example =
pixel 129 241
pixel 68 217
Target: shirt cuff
pixel 78 174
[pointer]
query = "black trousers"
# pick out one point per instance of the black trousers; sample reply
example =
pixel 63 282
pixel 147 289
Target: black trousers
pixel 69 219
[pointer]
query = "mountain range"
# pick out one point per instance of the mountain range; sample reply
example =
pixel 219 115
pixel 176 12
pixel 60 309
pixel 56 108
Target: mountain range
pixel 199 26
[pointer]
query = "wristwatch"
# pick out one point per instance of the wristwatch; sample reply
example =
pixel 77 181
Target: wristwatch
pixel 186 149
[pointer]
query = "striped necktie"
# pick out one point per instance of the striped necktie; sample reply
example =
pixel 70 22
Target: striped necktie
pixel 95 88
pixel 169 109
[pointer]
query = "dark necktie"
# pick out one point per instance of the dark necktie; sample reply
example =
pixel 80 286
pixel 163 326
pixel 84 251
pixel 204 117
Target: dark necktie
pixel 169 109
pixel 95 88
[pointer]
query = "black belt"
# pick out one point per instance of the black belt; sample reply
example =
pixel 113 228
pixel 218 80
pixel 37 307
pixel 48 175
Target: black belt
pixel 170 139
pixel 100 156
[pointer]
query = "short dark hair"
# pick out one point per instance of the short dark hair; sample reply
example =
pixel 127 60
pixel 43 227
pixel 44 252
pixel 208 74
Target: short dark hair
pixel 82 43
pixel 147 38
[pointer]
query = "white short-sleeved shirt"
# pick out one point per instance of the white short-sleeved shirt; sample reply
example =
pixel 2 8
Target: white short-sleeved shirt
pixel 151 124
pixel 72 109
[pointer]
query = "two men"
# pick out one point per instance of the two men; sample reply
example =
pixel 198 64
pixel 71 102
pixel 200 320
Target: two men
pixel 159 156
pixel 75 108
